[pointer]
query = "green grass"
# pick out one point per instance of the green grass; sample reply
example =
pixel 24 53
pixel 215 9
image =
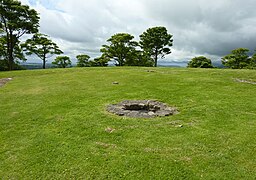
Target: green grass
pixel 53 125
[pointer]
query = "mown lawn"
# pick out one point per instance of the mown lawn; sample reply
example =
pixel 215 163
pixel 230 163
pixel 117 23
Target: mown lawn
pixel 53 124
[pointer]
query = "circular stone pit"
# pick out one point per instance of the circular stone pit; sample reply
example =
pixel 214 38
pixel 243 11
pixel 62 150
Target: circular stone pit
pixel 141 109
pixel 3 81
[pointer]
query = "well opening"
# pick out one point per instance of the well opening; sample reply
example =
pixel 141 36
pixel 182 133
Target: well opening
pixel 141 107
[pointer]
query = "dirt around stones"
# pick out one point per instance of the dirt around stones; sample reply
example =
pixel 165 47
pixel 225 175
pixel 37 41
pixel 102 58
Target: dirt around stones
pixel 141 109
pixel 3 81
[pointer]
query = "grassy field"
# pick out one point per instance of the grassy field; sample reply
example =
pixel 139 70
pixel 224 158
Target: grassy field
pixel 53 124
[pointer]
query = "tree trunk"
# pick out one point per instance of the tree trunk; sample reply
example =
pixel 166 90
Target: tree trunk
pixel 156 54
pixel 44 62
pixel 9 41
pixel 10 59
pixel 10 46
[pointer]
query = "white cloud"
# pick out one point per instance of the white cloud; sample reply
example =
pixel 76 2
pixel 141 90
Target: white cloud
pixel 199 27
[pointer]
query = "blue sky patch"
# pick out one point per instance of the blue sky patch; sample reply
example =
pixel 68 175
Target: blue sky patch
pixel 48 4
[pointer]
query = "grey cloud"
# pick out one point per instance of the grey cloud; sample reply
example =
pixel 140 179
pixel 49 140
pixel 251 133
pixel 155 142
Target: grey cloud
pixel 211 28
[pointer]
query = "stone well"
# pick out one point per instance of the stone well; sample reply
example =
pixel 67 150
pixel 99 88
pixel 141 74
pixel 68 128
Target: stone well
pixel 141 109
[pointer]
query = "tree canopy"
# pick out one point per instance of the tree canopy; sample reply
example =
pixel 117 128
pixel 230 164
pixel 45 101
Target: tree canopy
pixel 42 46
pixel 200 62
pixel 100 61
pixel 62 61
pixel 121 48
pixel 238 59
pixel 15 21
pixel 157 42
pixel 253 61
pixel 83 60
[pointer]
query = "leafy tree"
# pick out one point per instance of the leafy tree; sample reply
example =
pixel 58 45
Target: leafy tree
pixel 42 46
pixel 17 55
pixel 3 49
pixel 238 59
pixel 157 42
pixel 253 61
pixel 83 60
pixel 145 59
pixel 140 58
pixel 62 61
pixel 133 58
pixel 120 49
pixel 200 62
pixel 15 21
pixel 3 65
pixel 100 61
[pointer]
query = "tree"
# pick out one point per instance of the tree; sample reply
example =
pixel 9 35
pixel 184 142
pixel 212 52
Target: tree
pixel 157 42
pixel 2 48
pixel 42 46
pixel 17 55
pixel 83 60
pixel 62 61
pixel 120 49
pixel 200 62
pixel 15 21
pixel 100 61
pixel 3 63
pixel 145 59
pixel 140 58
pixel 238 59
pixel 253 61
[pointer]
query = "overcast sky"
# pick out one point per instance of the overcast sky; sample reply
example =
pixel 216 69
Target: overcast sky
pixel 199 27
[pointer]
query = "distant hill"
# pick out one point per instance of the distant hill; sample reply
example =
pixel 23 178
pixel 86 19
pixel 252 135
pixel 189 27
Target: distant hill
pixel 217 64
pixel 35 65
pixel 160 64
pixel 172 63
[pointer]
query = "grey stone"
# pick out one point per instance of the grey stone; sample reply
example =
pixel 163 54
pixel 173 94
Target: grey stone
pixel 141 109
pixel 150 113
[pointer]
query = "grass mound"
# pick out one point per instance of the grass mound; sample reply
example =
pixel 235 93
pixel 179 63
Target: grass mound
pixel 54 124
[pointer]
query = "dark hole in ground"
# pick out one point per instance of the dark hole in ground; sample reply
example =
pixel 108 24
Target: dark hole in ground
pixel 141 107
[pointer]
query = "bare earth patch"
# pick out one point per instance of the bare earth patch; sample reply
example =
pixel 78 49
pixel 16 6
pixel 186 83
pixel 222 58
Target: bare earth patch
pixel 141 109
pixel 3 81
